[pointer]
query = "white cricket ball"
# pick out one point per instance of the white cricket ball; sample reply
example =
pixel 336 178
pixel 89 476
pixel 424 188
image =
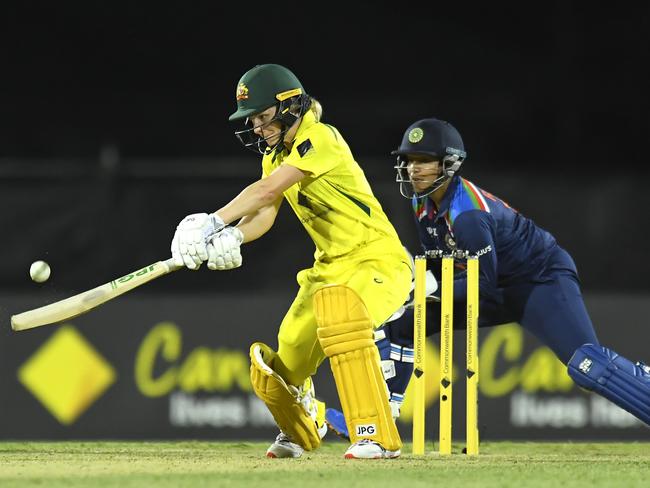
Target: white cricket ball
pixel 39 271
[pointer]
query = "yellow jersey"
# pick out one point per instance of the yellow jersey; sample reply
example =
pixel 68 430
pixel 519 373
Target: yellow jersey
pixel 334 202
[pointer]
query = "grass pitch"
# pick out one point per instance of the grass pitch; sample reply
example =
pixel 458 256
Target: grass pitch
pixel 216 464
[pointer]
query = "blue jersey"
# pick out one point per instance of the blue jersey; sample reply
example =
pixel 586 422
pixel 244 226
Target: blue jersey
pixel 512 249
pixel 525 277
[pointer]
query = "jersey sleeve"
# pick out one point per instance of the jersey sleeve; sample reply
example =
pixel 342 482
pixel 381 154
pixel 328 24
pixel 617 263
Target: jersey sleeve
pixel 316 152
pixel 475 232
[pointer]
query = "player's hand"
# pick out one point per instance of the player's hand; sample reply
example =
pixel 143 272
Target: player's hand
pixel 430 283
pixel 190 243
pixel 430 289
pixel 224 249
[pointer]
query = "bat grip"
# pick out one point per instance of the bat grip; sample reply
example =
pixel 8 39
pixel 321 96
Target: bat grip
pixel 170 265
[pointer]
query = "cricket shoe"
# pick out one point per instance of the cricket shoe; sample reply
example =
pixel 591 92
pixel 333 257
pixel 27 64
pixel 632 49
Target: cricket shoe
pixel 367 449
pixel 284 448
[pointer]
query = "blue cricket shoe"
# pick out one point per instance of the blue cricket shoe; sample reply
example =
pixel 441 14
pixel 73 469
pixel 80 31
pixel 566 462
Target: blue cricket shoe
pixel 336 423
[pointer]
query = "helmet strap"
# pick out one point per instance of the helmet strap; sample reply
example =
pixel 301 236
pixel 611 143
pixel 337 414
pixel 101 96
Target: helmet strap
pixel 451 164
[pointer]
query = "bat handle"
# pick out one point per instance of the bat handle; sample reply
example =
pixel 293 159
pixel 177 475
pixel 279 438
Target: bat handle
pixel 170 265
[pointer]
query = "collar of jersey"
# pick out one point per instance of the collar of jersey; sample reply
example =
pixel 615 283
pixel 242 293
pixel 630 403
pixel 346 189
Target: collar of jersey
pixel 307 121
pixel 449 195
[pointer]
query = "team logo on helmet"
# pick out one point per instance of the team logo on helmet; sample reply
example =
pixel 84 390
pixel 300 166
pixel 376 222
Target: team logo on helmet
pixel 415 135
pixel 242 92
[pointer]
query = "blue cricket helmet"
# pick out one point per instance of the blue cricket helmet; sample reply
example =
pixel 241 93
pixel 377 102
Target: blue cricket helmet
pixel 430 137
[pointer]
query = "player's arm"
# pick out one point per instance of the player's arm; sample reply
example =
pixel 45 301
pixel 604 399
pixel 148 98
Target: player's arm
pixel 262 193
pixel 224 248
pixel 255 225
pixel 207 237
pixel 475 232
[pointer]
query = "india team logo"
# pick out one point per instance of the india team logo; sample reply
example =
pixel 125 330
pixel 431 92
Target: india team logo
pixel 415 135
pixel 242 92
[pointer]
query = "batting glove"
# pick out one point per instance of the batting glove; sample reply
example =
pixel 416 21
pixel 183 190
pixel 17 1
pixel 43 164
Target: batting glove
pixel 190 243
pixel 224 249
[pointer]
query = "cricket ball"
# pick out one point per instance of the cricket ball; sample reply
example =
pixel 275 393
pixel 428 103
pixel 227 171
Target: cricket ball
pixel 39 271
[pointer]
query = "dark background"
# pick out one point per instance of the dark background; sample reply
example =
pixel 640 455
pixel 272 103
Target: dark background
pixel 113 127
pixel 113 123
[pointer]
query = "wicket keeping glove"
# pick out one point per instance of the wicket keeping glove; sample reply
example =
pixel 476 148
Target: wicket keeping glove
pixel 224 249
pixel 430 289
pixel 190 243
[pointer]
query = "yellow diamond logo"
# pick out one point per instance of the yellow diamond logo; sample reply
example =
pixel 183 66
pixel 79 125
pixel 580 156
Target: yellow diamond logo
pixel 66 374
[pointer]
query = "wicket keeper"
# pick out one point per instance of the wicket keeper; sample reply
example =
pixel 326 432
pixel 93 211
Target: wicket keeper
pixel 525 276
pixel 360 277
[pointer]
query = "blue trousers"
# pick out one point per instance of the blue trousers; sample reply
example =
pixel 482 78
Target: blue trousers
pixel 552 310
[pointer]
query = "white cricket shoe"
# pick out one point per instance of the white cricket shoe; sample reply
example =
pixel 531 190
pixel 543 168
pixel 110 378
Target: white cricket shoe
pixel 284 448
pixel 367 449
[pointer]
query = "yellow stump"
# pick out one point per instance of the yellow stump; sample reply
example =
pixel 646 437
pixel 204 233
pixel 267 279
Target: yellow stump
pixel 419 356
pixel 446 352
pixel 472 356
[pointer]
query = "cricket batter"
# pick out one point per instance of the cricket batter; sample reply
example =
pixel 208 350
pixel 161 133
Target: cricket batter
pixel 360 277
pixel 525 276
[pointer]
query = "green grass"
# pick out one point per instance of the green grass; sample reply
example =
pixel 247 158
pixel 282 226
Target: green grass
pixel 215 464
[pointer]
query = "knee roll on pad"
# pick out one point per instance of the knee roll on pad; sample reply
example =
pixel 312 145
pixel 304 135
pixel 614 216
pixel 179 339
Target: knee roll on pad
pixel 345 333
pixel 627 384
pixel 281 399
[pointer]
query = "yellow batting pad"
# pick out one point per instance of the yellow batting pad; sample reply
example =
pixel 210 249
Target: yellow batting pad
pixel 281 399
pixel 345 333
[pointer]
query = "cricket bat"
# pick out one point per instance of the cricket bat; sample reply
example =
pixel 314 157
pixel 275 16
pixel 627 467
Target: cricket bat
pixel 83 302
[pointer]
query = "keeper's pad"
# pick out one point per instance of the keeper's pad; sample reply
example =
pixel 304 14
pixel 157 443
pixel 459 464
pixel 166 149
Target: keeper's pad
pixel 346 335
pixel 281 399
pixel 618 379
pixel 396 363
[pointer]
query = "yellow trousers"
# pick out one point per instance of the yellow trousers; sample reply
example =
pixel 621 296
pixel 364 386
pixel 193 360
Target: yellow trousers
pixel 383 284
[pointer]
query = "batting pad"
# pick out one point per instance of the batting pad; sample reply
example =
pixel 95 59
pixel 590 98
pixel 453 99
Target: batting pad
pixel 346 335
pixel 281 399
